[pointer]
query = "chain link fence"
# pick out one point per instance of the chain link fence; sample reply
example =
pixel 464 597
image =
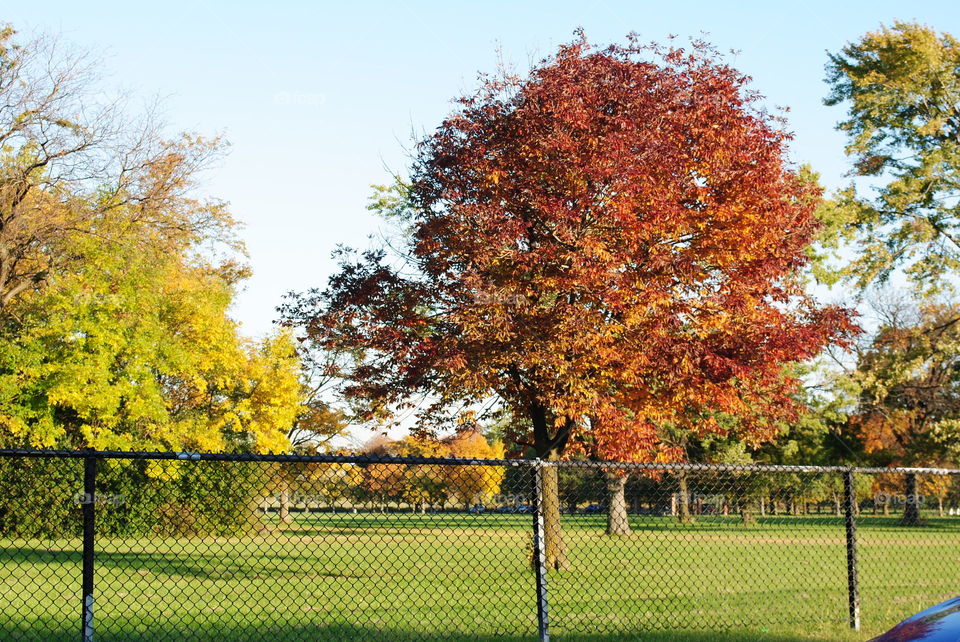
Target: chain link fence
pixel 152 546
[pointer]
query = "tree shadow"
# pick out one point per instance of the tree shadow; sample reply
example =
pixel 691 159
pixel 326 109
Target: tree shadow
pixel 126 631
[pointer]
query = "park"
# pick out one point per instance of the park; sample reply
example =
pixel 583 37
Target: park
pixel 333 322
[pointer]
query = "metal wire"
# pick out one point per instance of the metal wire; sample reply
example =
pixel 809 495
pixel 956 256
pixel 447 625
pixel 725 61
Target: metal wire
pixel 154 546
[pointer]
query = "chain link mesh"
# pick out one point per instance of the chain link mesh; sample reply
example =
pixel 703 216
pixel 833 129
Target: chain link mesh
pixel 306 548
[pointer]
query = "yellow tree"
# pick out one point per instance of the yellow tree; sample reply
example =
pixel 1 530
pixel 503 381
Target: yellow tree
pixel 116 283
pixel 265 396
pixel 470 484
pixel 424 484
pixel 73 163
pixel 328 483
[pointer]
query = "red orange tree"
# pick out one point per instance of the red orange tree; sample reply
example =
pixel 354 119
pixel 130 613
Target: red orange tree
pixel 612 237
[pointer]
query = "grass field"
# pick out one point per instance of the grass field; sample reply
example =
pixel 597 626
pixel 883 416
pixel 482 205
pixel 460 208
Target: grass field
pixel 461 576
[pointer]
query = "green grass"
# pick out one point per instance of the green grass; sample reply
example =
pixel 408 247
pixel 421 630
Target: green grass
pixel 459 576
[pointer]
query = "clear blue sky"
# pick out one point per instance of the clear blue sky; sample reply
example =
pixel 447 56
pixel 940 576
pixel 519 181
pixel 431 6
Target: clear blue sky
pixel 318 98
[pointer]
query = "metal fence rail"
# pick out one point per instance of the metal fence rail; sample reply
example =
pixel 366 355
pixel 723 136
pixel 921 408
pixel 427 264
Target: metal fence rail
pixel 145 546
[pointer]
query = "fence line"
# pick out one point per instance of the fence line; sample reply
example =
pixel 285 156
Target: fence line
pixel 389 459
pixel 696 529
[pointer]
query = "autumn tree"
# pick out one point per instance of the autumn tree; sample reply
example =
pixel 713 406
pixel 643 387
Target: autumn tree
pixel 907 409
pixel 612 236
pixel 423 484
pixel 72 163
pixel 901 88
pixel 468 483
pixel 134 350
pixel 909 402
pixel 116 280
pixel 329 483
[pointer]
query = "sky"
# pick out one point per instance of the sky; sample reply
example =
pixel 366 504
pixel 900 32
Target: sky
pixel 319 100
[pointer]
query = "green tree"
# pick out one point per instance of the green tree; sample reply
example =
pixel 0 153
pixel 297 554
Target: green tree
pixel 902 88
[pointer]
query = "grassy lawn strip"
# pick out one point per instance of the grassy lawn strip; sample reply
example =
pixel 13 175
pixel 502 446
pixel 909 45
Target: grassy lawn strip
pixel 464 576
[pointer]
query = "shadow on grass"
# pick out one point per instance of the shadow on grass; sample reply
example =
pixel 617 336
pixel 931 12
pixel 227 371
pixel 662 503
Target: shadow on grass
pixel 185 563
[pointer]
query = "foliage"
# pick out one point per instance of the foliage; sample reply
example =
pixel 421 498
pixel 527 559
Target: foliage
pixel 40 497
pixel 189 499
pixel 115 288
pixel 612 238
pixel 902 87
pixel 909 407
pixel 135 350
pixel 426 484
pixel 472 484
pixel 115 282
pixel 72 163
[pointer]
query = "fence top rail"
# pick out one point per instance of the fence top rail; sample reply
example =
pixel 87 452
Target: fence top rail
pixel 450 461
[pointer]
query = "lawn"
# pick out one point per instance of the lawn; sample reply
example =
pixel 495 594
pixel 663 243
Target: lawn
pixel 465 576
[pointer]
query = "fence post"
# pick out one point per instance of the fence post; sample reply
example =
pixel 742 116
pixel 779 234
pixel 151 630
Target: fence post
pixel 89 516
pixel 850 508
pixel 539 557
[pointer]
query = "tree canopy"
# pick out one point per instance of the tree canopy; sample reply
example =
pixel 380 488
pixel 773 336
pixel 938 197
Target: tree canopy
pixel 901 86
pixel 116 279
pixel 613 237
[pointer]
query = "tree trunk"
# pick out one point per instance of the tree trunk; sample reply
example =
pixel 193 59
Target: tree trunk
pixel 683 509
pixel 285 517
pixel 555 551
pixel 911 507
pixel 940 506
pixel 550 447
pixel 257 510
pixel 617 521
